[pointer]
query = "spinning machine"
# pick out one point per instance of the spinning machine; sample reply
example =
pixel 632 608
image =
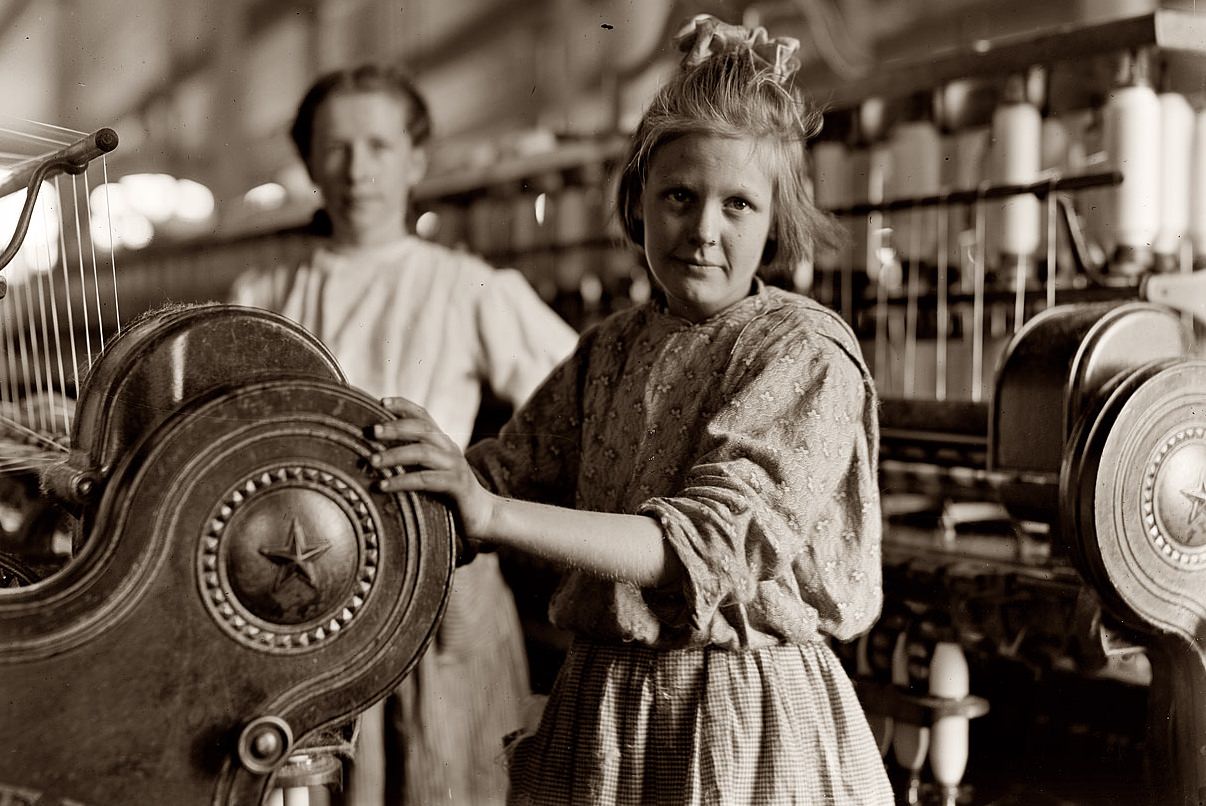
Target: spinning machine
pixel 1027 218
pixel 225 589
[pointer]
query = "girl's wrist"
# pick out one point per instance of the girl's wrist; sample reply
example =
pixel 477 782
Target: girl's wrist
pixel 485 528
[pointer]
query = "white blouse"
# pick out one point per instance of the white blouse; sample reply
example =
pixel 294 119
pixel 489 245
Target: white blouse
pixel 417 320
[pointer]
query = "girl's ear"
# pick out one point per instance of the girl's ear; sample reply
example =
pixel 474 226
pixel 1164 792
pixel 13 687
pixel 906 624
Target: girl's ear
pixel 770 250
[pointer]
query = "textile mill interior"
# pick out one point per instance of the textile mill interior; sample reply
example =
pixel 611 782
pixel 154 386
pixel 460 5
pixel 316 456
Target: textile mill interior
pixel 237 568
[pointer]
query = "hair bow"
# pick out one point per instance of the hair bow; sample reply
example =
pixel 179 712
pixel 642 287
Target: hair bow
pixel 705 36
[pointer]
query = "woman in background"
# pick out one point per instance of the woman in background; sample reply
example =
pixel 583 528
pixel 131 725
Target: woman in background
pixel 405 317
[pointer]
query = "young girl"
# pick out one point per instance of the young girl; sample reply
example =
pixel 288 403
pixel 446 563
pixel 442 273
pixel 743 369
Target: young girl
pixel 703 467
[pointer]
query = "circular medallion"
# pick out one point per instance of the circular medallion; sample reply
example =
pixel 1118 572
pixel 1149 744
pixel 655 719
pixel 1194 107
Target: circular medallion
pixel 1143 499
pixel 1174 497
pixel 288 558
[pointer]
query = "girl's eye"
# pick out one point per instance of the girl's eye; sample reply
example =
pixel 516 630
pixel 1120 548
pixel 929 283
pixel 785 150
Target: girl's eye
pixel 678 195
pixel 739 204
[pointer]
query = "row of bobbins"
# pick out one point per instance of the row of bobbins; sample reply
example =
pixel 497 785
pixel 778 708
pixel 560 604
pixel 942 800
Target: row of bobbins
pixel 1152 135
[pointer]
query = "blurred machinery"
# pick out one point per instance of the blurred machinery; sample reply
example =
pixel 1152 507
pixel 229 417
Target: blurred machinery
pixel 1026 218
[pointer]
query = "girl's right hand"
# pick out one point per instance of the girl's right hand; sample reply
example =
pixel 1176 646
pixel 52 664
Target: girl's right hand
pixel 427 460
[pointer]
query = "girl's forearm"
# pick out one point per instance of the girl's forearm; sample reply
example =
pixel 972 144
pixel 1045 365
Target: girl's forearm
pixel 630 548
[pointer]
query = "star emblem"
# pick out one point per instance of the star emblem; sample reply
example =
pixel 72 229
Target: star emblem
pixel 295 558
pixel 1197 497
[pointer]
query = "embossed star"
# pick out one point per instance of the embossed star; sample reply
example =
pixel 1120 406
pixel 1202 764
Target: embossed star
pixel 295 558
pixel 1197 497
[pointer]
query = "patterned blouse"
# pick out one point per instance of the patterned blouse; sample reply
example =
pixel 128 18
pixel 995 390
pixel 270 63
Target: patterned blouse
pixel 751 437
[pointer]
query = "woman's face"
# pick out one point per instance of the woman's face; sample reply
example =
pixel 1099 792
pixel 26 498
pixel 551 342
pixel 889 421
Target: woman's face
pixel 364 162
pixel 706 210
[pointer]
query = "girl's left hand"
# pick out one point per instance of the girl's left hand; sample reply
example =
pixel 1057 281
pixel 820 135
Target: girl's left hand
pixel 427 460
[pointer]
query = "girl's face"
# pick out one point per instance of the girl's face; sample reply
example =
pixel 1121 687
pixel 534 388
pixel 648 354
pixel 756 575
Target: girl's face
pixel 706 209
pixel 363 160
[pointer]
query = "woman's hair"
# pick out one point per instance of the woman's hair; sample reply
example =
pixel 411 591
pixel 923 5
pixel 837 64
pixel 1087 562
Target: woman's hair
pixel 726 87
pixel 362 78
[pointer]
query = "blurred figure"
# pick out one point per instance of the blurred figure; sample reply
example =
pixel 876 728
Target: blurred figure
pixel 408 318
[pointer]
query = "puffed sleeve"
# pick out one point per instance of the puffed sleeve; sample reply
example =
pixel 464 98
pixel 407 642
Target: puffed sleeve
pixel 536 454
pixel 777 522
pixel 522 339
pixel 252 288
pixel 261 287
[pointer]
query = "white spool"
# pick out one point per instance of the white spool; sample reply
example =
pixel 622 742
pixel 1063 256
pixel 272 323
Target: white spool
pixel 949 679
pixel 1132 120
pixel 917 171
pixel 971 157
pixel 1176 147
pixel 1197 187
pixel 297 796
pixel 1017 130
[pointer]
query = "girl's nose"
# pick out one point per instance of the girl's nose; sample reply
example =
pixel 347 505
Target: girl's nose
pixel 359 165
pixel 707 227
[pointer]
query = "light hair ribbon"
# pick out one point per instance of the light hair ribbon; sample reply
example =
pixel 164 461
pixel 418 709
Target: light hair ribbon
pixel 705 37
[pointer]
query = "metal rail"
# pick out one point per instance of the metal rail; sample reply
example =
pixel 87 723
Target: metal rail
pixel 72 159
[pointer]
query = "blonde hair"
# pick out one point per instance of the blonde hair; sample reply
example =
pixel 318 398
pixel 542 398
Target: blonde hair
pixel 734 93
